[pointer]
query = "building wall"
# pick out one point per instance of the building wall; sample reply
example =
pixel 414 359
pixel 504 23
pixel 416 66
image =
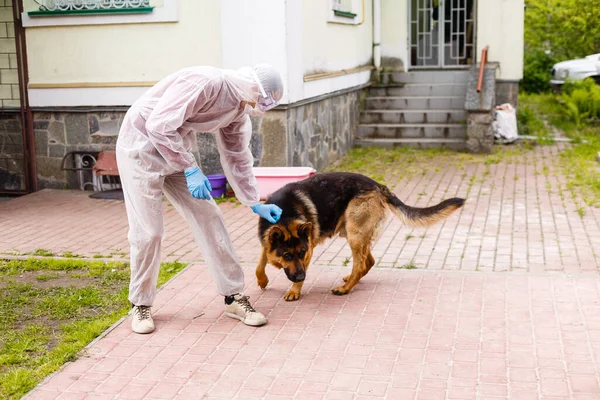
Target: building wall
pixel 500 25
pixel 125 52
pixel 331 46
pixel 12 162
pixel 394 34
pixel 57 133
pixel 9 81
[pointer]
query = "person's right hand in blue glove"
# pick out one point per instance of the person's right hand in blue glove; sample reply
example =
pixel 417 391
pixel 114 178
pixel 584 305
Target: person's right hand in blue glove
pixel 270 212
pixel 197 183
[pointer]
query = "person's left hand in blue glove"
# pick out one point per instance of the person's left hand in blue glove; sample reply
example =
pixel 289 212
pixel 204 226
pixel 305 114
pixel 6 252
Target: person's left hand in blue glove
pixel 197 183
pixel 270 212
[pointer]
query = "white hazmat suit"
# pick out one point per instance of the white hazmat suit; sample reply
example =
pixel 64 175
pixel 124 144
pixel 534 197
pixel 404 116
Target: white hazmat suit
pixel 153 150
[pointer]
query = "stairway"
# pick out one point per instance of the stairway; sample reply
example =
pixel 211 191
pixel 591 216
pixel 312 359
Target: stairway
pixel 417 109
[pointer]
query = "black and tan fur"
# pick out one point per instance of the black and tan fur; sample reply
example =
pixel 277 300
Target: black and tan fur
pixel 328 204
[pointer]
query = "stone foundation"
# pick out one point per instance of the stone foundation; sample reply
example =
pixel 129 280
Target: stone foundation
pixel 12 161
pixel 479 107
pixel 57 133
pixel 480 137
pixel 312 133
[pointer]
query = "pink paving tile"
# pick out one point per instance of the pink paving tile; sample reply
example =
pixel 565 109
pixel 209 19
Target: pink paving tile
pixel 135 392
pixel 344 382
pixel 164 391
pixel 372 388
pixel 584 384
pixel 554 387
pixel 285 387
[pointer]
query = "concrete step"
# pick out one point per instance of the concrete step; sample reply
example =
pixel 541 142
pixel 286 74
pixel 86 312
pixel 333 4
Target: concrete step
pixel 403 131
pixel 435 76
pixel 417 143
pixel 420 89
pixel 415 103
pixel 413 116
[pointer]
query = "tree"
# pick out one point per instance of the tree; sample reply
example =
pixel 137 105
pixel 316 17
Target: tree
pixel 566 28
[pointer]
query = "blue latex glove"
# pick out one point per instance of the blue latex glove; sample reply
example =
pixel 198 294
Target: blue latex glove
pixel 197 183
pixel 270 212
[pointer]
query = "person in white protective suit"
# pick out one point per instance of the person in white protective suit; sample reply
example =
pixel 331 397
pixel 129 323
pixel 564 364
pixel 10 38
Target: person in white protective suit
pixel 153 156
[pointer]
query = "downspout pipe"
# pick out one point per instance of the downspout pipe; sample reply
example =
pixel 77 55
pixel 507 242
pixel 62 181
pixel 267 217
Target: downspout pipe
pixel 377 35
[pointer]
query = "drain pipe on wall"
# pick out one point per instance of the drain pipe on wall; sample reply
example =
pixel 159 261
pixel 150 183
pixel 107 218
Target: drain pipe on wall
pixel 377 36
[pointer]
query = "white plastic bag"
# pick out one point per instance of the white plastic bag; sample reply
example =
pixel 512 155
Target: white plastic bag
pixel 505 124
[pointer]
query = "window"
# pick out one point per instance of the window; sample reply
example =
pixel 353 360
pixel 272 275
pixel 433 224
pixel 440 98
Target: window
pixel 98 12
pixel 78 7
pixel 345 11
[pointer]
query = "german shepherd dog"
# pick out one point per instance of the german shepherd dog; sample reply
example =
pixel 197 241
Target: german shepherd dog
pixel 327 204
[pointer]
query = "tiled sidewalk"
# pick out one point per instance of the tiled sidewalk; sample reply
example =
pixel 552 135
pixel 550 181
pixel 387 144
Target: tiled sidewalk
pixel 518 216
pixel 503 303
pixel 399 335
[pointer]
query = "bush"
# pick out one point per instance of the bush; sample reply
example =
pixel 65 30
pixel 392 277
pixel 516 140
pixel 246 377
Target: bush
pixel 581 100
pixel 530 124
pixel 537 70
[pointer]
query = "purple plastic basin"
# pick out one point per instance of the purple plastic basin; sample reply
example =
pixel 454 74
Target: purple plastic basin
pixel 218 184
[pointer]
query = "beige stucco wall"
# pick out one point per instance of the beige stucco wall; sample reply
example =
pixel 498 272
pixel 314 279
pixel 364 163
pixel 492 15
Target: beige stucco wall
pixel 394 33
pixel 329 47
pixel 500 25
pixel 126 52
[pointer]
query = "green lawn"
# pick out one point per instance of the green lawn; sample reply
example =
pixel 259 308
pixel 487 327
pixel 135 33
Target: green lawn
pixel 51 309
pixel 546 114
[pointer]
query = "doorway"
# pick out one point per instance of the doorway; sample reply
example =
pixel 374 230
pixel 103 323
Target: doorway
pixel 441 33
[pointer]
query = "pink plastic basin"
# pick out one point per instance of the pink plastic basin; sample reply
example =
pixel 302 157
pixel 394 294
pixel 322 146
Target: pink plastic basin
pixel 271 179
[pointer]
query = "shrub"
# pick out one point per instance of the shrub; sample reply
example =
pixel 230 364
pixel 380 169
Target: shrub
pixel 537 70
pixel 581 100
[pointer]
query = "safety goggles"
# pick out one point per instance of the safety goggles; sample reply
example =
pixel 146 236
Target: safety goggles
pixel 265 101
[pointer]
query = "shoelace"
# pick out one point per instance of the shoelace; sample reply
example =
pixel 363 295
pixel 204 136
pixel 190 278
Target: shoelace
pixel 245 303
pixel 143 312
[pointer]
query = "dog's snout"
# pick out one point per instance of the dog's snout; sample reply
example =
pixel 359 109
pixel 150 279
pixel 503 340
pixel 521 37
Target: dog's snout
pixel 297 276
pixel 300 275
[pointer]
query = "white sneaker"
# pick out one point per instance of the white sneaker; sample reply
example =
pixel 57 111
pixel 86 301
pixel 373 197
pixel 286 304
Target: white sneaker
pixel 241 309
pixel 142 320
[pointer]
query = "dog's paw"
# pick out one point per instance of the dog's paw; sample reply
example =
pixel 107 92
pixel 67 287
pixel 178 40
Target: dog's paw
pixel 262 282
pixel 291 295
pixel 339 291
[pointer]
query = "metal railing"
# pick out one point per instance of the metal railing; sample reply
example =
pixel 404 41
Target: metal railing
pixel 70 5
pixel 484 59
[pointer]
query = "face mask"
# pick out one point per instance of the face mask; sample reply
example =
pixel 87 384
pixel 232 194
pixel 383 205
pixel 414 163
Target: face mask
pixel 265 101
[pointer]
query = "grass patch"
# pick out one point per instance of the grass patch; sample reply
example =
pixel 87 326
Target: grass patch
pixel 102 256
pixel 388 166
pixel 50 309
pixel 225 199
pixel 579 164
pixel 68 254
pixel 578 161
pixel 529 123
pixel 42 253
pixel 409 265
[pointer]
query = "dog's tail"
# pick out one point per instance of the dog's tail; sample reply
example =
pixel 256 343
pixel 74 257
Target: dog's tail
pixel 423 217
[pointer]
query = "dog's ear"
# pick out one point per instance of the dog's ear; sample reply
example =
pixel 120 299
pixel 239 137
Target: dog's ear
pixel 305 230
pixel 275 234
